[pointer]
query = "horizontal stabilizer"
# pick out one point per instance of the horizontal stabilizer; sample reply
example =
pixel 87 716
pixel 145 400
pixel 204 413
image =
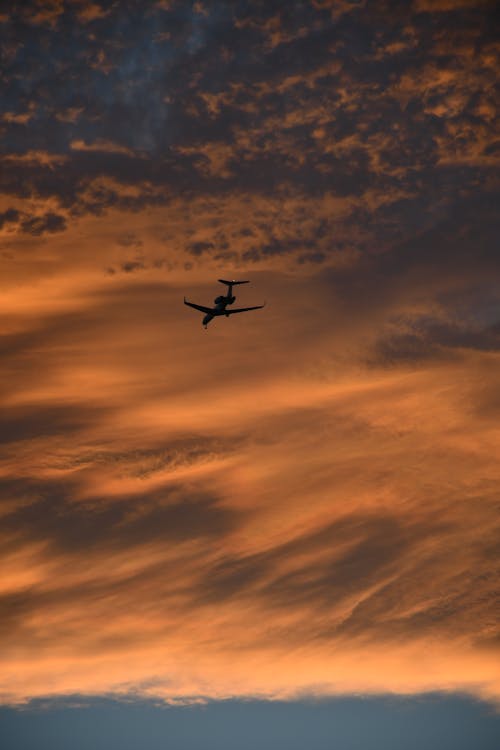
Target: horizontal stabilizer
pixel 232 283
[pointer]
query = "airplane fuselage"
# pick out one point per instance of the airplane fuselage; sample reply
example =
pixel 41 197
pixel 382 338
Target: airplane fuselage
pixel 221 303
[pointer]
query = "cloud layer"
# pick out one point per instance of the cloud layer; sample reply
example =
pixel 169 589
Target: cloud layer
pixel 303 499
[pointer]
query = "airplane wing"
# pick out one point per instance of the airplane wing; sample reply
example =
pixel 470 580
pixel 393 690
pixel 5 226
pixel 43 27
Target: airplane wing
pixel 198 307
pixel 243 309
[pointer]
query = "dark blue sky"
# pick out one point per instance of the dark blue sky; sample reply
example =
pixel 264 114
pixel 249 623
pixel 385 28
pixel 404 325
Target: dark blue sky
pixel 384 723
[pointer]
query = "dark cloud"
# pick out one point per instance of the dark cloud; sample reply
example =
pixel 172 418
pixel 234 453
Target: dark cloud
pixel 133 265
pixel 49 222
pixel 198 248
pixel 344 103
pixel 129 240
pixel 11 216
pixel 450 262
pixel 48 511
pixel 430 339
pixel 32 422
pixel 35 225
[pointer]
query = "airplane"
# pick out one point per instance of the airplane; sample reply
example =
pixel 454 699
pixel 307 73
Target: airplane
pixel 221 304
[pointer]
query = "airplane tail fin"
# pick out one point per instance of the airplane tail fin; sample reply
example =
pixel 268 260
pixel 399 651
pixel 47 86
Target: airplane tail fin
pixel 232 283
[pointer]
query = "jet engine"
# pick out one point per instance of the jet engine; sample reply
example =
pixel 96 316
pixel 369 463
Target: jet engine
pixel 219 299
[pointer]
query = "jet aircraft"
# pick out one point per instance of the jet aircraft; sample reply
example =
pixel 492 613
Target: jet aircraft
pixel 221 303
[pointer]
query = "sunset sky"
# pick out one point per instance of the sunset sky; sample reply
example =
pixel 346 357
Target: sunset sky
pixel 298 507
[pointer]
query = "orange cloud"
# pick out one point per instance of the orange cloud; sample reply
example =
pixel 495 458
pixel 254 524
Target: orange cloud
pixel 434 6
pixel 101 145
pixel 45 12
pixel 17 117
pixel 247 517
pixel 298 500
pixel 89 12
pixel 42 158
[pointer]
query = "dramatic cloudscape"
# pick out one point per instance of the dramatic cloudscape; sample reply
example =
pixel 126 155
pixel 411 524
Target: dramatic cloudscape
pixel 299 501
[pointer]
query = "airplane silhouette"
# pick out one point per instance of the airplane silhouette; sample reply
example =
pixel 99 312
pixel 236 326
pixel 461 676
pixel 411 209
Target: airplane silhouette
pixel 221 304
